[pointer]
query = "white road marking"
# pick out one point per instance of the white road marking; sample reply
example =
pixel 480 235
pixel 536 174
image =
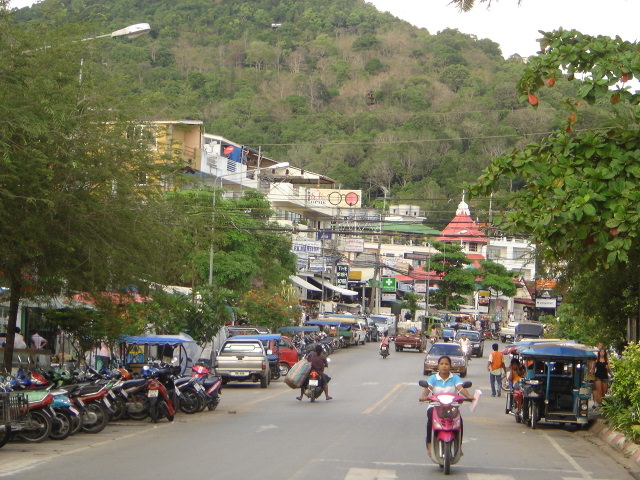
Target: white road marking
pixel 489 476
pixel 370 474
pixel 263 428
pixel 581 471
pixel 385 398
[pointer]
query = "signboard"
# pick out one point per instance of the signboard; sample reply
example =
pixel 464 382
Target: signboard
pixel 323 235
pixel 388 297
pixel 389 284
pixel 545 284
pixel 420 287
pixel 306 246
pixel 545 302
pixel 331 198
pixel 415 256
pixel 342 275
pixel 354 245
pixel 484 296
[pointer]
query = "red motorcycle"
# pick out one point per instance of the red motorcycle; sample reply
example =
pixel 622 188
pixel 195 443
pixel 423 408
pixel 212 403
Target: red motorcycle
pixel 515 401
pixel 160 399
pixel 210 385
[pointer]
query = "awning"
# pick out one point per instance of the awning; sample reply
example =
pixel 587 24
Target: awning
pixel 340 290
pixel 303 283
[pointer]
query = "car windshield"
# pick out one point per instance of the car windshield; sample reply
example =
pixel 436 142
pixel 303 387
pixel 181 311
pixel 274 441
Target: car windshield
pixel 473 336
pixel 446 349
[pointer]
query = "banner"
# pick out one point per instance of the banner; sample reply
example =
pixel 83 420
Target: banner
pixel 328 198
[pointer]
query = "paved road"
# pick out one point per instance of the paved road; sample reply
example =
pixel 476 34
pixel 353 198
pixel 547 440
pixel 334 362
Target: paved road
pixel 373 429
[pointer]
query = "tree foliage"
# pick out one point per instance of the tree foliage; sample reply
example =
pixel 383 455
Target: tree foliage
pixel 457 278
pixel 72 213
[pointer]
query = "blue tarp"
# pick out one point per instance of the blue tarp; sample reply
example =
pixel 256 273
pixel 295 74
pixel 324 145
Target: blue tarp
pixel 154 340
pixel 549 350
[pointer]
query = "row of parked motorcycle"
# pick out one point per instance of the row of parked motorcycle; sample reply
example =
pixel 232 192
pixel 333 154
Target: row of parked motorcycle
pixel 55 404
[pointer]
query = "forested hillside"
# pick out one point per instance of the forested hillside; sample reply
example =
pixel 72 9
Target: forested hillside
pixel 335 87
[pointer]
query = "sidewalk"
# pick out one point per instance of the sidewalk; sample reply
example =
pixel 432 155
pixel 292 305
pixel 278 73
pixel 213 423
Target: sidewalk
pixel 616 440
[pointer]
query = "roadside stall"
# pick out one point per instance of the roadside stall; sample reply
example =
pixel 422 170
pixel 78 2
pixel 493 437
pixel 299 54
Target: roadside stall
pixel 137 351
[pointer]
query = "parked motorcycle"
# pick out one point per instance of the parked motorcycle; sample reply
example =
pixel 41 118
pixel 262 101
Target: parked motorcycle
pixel 212 385
pixel 446 427
pixel 161 392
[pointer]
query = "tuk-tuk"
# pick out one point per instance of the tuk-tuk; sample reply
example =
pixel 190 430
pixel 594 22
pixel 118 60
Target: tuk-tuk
pixel 555 388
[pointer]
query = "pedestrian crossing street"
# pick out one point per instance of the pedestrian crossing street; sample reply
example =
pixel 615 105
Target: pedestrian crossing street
pixel 391 474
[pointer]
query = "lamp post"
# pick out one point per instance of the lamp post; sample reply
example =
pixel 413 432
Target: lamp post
pixel 213 210
pixel 132 31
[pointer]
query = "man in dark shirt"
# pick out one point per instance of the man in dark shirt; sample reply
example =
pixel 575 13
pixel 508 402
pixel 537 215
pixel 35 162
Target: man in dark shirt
pixel 318 363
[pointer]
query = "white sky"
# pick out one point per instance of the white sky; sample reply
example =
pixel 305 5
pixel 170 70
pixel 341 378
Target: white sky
pixel 514 28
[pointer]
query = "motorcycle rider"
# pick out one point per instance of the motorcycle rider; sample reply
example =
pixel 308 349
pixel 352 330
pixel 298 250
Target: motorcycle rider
pixel 465 344
pixel 318 363
pixel 384 343
pixel 442 382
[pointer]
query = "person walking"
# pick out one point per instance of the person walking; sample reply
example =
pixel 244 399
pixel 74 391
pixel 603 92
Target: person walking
pixel 496 368
pixel 600 371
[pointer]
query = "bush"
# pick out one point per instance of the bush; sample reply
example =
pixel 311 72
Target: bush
pixel 622 407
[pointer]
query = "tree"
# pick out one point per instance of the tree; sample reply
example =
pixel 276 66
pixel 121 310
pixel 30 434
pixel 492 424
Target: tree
pixel 72 213
pixel 411 303
pixel 581 187
pixel 457 278
pixel 496 278
pixel 467 5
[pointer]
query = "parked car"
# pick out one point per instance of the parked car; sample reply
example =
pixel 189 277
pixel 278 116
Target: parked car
pixel 477 341
pixel 453 350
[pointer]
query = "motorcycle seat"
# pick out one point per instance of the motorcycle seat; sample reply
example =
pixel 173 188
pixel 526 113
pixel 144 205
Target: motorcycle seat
pixel 209 382
pixel 181 381
pixel 138 382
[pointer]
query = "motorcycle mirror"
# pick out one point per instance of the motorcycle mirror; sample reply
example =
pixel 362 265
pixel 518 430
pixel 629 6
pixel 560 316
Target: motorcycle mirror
pixel 423 383
pixel 467 384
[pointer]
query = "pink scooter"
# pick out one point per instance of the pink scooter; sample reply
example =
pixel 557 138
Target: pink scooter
pixel 446 427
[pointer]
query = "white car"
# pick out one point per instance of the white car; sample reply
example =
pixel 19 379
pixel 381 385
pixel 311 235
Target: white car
pixel 508 333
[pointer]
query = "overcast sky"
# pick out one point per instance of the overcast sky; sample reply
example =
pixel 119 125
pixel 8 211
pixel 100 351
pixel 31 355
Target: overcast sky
pixel 514 28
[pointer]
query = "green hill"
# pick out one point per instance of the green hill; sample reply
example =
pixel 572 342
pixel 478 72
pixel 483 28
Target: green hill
pixel 336 87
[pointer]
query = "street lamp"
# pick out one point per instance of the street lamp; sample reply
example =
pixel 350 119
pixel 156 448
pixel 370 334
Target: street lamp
pixel 132 31
pixel 213 210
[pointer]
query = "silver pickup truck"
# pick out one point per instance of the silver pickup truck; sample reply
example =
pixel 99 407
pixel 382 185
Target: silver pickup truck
pixel 243 360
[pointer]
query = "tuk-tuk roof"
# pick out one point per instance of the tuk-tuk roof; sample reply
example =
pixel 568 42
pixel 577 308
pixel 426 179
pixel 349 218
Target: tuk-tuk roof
pixel 517 347
pixel 559 350
pixel 261 336
pixel 324 322
pixel 309 328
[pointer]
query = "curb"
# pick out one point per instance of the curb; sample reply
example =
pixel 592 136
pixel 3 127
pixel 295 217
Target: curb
pixel 617 440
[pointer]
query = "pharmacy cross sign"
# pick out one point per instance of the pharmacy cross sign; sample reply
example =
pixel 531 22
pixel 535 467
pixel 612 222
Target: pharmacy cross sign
pixel 388 284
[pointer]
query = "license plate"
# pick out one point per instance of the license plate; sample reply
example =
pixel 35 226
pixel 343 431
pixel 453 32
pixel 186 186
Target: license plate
pixel 152 393
pixel 74 411
pixel 178 392
pixel 124 393
pixel 238 374
pixel 199 387
pixel 106 402
pixel 80 402
pixel 111 394
pixel 313 383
